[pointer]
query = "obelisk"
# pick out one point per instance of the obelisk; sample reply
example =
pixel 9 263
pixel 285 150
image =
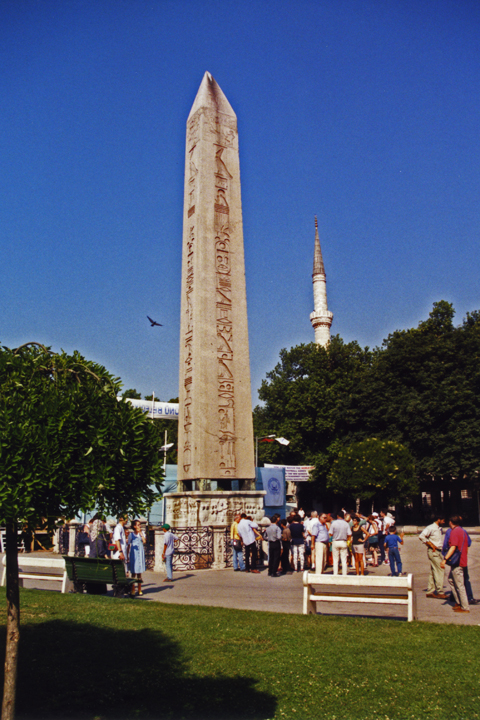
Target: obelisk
pixel 215 420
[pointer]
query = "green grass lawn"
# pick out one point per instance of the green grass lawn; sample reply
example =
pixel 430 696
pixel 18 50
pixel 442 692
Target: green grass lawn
pixel 86 657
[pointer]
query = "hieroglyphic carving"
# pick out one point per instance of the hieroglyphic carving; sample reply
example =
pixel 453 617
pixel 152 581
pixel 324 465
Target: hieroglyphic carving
pixel 223 127
pixel 219 132
pixel 223 278
pixel 193 130
pixel 188 354
pixel 193 136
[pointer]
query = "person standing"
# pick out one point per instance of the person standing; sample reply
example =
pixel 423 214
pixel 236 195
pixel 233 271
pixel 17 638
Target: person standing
pixel 120 540
pixel 372 542
pixel 382 533
pixel 273 535
pixel 237 548
pixel 340 531
pixel 466 576
pixel 392 541
pixel 248 531
pixel 98 538
pixel 136 555
pixel 83 540
pixel 311 529
pixel 457 558
pixel 286 546
pixel 321 538
pixel 168 550
pixel 298 542
pixel 359 535
pixel 432 537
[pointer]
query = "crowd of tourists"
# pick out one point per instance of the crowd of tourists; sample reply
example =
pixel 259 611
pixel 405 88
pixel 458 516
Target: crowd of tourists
pixel 316 541
pixel 313 542
pixel 300 541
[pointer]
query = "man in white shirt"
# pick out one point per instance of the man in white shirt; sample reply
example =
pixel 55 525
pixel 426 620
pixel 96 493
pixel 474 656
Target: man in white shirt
pixel 310 534
pixel 340 531
pixel 168 549
pixel 319 532
pixel 119 539
pixel 432 537
pixel 246 529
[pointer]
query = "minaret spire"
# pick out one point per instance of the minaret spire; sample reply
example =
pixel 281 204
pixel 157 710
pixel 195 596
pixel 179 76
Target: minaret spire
pixel 321 318
pixel 318 266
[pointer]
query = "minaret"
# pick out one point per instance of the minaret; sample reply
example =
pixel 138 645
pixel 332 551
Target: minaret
pixel 215 435
pixel 321 318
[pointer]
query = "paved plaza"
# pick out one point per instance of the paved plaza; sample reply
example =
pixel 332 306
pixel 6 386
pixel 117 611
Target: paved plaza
pixel 225 588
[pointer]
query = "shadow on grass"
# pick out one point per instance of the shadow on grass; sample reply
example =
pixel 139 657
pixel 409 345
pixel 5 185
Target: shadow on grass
pixel 84 672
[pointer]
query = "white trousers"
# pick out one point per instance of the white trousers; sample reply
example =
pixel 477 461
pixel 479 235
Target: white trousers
pixel 339 550
pixel 320 557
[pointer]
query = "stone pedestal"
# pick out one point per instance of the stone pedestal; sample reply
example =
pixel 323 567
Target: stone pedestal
pixel 218 547
pixel 217 508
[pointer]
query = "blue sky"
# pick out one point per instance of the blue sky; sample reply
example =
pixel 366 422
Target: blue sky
pixel 366 113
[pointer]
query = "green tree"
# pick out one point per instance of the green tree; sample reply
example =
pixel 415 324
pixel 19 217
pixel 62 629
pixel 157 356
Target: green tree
pixel 373 469
pixel 314 398
pixel 425 394
pixel 132 393
pixel 67 445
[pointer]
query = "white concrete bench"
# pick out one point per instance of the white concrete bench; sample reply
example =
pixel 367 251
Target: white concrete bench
pixel 32 568
pixel 358 588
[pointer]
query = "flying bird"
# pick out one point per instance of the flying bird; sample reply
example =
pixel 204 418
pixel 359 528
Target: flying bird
pixel 153 322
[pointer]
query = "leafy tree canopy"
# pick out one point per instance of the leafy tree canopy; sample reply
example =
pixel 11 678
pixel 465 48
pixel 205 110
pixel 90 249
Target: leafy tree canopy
pixel 132 393
pixel 66 443
pixel 313 398
pixel 373 469
pixel 425 393
pixel 420 389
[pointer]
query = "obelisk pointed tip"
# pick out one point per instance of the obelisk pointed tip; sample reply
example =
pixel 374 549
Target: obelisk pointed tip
pixel 210 95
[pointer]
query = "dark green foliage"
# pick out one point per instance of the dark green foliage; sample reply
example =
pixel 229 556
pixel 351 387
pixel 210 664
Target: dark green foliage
pixel 313 398
pixel 132 393
pixel 427 393
pixel 420 389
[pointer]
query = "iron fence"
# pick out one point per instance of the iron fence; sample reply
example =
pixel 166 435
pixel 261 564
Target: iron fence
pixel 63 539
pixel 228 549
pixel 194 550
pixel 150 549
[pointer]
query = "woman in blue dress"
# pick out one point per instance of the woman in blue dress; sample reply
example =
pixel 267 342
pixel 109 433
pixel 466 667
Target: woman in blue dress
pixel 136 555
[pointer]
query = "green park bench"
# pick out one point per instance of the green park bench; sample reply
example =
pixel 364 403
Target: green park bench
pixel 97 572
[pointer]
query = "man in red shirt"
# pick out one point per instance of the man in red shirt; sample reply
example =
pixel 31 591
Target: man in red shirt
pixel 458 541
